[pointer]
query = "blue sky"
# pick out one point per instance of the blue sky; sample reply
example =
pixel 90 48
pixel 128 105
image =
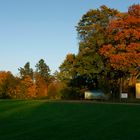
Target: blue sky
pixel 35 29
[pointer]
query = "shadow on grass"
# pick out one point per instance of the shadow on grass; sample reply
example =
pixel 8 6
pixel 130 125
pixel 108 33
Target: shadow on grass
pixel 40 120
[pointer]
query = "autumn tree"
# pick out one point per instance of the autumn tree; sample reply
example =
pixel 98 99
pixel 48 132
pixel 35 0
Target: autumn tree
pixel 55 89
pixel 8 85
pixel 27 88
pixel 123 52
pixel 42 78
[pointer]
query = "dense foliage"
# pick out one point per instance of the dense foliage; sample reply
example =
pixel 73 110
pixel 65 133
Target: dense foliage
pixel 109 52
pixel 28 84
pixel 108 59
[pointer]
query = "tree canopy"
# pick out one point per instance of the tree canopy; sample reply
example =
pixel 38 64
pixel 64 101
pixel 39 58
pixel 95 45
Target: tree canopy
pixel 124 53
pixel 107 58
pixel 109 48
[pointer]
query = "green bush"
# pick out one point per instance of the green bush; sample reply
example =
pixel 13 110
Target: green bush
pixel 70 93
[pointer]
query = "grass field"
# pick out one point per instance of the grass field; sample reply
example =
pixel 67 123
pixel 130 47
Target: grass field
pixel 42 120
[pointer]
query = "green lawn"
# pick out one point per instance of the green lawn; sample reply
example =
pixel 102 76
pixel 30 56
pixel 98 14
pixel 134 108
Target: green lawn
pixel 42 120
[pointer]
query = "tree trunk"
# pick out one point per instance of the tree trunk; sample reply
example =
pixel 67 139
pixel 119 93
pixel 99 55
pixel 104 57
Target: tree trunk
pixel 132 83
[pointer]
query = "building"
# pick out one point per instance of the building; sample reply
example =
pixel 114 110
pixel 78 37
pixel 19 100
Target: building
pixel 94 94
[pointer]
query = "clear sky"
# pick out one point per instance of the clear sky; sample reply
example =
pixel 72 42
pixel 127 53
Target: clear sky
pixel 35 29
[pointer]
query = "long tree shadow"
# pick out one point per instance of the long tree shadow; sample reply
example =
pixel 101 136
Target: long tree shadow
pixel 35 120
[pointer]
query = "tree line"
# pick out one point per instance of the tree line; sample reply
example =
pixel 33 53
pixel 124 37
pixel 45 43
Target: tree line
pixel 28 84
pixel 108 59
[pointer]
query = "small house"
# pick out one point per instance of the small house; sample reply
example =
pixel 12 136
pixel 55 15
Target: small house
pixel 94 94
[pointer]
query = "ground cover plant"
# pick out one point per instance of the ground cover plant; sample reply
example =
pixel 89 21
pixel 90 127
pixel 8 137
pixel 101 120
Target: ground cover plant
pixel 57 120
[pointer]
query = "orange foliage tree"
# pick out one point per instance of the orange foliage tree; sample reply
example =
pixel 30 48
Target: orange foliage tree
pixel 27 88
pixel 41 86
pixel 42 78
pixel 8 85
pixel 123 52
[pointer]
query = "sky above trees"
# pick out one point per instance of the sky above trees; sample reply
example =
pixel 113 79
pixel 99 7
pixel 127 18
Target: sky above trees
pixel 35 29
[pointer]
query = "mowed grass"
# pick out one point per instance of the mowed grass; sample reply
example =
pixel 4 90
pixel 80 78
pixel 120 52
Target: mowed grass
pixel 42 120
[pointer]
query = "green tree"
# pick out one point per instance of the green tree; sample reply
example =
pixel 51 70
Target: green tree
pixel 26 71
pixel 92 34
pixel 69 78
pixel 88 69
pixel 67 71
pixel 43 70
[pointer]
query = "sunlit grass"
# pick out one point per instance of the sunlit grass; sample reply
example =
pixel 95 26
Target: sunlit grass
pixel 41 120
